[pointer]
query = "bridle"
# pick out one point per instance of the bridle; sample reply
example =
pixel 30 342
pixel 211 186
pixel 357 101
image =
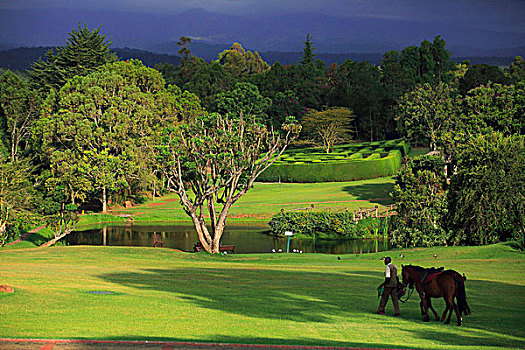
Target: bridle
pixel 408 295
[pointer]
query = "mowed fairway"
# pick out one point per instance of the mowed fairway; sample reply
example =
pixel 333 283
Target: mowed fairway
pixel 303 299
pixel 267 199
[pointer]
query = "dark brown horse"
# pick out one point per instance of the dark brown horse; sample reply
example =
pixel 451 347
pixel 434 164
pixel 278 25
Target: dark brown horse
pixel 448 284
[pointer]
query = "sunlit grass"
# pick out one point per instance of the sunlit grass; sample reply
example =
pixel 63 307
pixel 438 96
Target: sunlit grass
pixel 264 200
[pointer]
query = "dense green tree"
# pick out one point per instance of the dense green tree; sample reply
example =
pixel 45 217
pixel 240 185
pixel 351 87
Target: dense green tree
pixel 278 78
pixel 58 214
pixel 420 194
pixel 493 107
pixel 395 77
pixel 330 126
pixel 99 127
pixel 239 62
pixel 169 73
pixel 428 63
pixel 442 64
pixel 427 113
pixel 309 84
pixel 243 101
pixel 16 198
pixel 19 107
pixel 481 74
pixel 284 104
pixel 210 80
pixel 358 86
pixel 409 60
pixel 487 194
pixel 213 161
pixel 517 69
pixel 85 51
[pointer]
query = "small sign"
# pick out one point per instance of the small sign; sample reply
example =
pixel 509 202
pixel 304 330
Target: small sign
pixel 288 233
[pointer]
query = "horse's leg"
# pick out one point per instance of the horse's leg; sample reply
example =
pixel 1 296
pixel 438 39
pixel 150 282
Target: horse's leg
pixel 424 307
pixel 429 303
pixel 446 309
pixel 458 315
pixel 451 306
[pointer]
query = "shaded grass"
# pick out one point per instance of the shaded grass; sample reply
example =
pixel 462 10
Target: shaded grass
pixel 302 299
pixel 418 151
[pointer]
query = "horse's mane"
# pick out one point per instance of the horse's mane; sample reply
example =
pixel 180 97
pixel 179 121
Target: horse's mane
pixel 415 267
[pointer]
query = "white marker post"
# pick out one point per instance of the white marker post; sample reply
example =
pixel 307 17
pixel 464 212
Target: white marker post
pixel 288 234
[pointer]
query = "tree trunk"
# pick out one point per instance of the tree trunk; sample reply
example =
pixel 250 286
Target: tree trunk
pixel 220 225
pixel 13 147
pixel 104 201
pixel 72 193
pixel 219 229
pixel 202 231
pixel 66 230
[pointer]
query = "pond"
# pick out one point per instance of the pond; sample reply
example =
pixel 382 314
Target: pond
pixel 246 238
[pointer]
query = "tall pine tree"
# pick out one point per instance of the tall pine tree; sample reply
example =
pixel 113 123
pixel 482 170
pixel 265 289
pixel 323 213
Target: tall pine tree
pixel 85 51
pixel 308 51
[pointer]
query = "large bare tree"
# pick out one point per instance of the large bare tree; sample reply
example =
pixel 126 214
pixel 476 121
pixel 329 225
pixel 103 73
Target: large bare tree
pixel 213 160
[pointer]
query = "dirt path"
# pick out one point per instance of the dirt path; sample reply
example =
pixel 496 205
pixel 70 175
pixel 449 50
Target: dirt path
pixel 26 235
pixel 43 344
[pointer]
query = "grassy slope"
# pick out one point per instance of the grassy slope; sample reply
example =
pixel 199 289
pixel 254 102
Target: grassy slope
pixel 267 199
pixel 302 299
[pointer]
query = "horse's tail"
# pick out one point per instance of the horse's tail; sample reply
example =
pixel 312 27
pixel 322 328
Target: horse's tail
pixel 461 295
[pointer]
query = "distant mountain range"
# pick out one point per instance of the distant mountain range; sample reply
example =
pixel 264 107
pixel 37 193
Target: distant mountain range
pixel 277 33
pixel 22 58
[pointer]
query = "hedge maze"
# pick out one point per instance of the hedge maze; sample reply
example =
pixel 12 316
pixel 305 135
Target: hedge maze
pixel 356 161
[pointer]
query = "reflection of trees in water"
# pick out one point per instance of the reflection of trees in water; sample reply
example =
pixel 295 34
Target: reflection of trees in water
pixel 245 239
pixel 353 246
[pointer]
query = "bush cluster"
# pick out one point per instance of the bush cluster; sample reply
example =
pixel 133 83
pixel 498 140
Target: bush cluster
pixel 327 225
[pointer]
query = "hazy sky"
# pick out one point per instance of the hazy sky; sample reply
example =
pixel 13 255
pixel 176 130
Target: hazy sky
pixel 362 26
pixel 489 14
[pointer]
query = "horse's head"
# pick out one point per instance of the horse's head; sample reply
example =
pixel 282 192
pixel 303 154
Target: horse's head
pixel 406 274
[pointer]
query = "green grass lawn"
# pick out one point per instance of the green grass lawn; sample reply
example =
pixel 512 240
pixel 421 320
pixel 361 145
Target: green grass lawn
pixel 267 199
pixel 303 299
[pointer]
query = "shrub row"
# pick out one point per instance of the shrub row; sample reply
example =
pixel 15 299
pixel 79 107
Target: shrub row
pixel 326 225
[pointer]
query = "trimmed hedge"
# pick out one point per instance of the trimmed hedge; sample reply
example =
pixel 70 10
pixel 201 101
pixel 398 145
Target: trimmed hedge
pixel 336 167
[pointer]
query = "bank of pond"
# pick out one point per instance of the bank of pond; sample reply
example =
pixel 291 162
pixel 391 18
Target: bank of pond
pixel 245 238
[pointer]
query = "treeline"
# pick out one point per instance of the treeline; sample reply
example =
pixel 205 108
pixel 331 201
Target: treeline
pixel 372 92
pixel 81 126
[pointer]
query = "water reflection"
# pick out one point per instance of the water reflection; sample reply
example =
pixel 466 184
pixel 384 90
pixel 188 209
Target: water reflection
pixel 246 238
